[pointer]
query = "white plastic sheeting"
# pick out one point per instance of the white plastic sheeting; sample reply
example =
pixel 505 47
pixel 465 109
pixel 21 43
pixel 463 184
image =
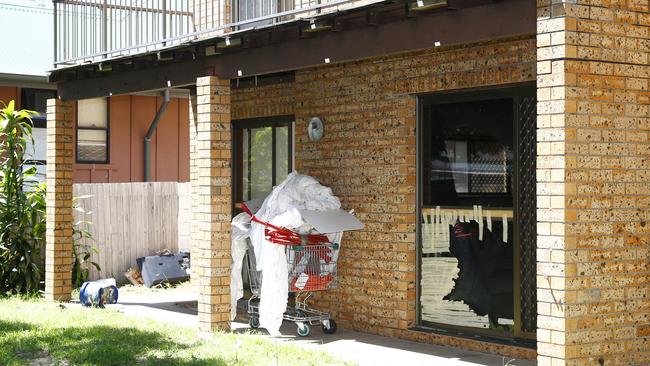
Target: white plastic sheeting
pixel 241 228
pixel 280 208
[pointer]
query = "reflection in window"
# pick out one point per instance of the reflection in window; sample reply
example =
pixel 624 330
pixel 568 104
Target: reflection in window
pixel 259 182
pixel 468 152
pixel 36 152
pixel 263 159
pixel 36 100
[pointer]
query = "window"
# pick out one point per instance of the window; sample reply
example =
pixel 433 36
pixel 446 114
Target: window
pixel 468 152
pixel 252 9
pixel 263 156
pixel 471 245
pixel 92 130
pixel 36 154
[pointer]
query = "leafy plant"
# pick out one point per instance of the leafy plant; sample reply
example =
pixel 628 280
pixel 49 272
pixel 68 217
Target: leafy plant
pixel 81 250
pixel 22 211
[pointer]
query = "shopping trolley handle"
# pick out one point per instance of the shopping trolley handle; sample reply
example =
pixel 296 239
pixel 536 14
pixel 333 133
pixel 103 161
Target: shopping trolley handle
pixel 304 244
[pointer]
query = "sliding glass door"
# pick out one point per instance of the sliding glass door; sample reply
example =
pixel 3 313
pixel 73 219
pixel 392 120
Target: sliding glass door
pixel 470 244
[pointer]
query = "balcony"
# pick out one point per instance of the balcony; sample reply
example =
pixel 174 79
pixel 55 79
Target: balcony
pixel 89 31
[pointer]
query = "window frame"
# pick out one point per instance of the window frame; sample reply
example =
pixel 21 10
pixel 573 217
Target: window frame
pixel 238 126
pixel 513 91
pixel 107 130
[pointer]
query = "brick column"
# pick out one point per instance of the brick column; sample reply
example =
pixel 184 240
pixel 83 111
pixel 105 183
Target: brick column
pixel 593 192
pixel 211 190
pixel 58 240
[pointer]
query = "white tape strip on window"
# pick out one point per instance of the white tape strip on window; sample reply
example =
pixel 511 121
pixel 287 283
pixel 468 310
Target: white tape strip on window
pixel 488 216
pixel 478 213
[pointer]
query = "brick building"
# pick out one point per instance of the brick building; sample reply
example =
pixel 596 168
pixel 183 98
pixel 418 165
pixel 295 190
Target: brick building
pixel 525 122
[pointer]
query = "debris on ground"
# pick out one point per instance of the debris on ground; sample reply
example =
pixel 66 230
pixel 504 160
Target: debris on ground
pixel 98 293
pixel 165 267
pixel 134 276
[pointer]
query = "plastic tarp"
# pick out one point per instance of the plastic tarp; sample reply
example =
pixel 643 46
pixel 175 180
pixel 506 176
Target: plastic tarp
pixel 241 227
pixel 281 208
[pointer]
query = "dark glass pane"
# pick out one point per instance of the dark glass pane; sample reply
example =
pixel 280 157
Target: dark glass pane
pixel 36 100
pixel 467 226
pixel 468 150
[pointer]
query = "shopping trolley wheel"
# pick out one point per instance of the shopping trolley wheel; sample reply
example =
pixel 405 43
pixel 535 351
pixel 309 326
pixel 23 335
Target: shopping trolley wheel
pixel 254 321
pixel 329 326
pixel 303 329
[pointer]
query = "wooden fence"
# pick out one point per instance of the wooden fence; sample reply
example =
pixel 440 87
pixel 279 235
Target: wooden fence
pixel 131 220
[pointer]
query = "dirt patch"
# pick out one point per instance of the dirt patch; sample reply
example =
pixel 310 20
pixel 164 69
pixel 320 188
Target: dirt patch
pixel 43 358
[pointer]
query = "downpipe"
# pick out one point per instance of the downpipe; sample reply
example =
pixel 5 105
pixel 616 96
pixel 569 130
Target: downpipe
pixel 150 132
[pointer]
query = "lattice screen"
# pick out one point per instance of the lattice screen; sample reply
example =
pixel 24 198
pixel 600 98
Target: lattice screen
pixel 526 208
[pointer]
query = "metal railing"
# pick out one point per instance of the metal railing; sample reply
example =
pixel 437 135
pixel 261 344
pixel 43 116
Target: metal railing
pixel 95 30
pixel 91 29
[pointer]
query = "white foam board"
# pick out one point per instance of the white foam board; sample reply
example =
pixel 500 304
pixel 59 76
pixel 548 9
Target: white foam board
pixel 331 221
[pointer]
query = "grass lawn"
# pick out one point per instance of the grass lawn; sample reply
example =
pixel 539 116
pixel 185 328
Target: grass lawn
pixel 34 332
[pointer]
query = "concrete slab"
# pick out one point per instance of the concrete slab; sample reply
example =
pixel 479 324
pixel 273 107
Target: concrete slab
pixel 178 306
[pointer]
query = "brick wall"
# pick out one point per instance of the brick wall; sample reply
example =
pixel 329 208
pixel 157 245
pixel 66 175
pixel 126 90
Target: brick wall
pixel 368 157
pixel 594 165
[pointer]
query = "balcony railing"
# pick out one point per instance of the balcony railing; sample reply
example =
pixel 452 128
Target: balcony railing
pixel 95 30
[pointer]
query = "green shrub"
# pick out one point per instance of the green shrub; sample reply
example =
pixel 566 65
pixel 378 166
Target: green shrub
pixel 81 250
pixel 22 211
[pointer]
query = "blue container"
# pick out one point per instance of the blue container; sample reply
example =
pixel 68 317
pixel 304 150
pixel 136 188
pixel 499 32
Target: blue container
pixel 97 294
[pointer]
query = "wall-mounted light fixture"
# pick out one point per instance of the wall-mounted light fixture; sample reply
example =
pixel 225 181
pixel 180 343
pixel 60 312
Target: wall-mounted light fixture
pixel 315 129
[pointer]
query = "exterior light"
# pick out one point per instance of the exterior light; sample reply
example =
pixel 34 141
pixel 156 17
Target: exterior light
pixel 421 5
pixel 104 67
pixel 164 56
pixel 229 43
pixel 315 129
pixel 317 26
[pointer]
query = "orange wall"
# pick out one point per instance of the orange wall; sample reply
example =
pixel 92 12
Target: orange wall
pixel 130 117
pixel 9 93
